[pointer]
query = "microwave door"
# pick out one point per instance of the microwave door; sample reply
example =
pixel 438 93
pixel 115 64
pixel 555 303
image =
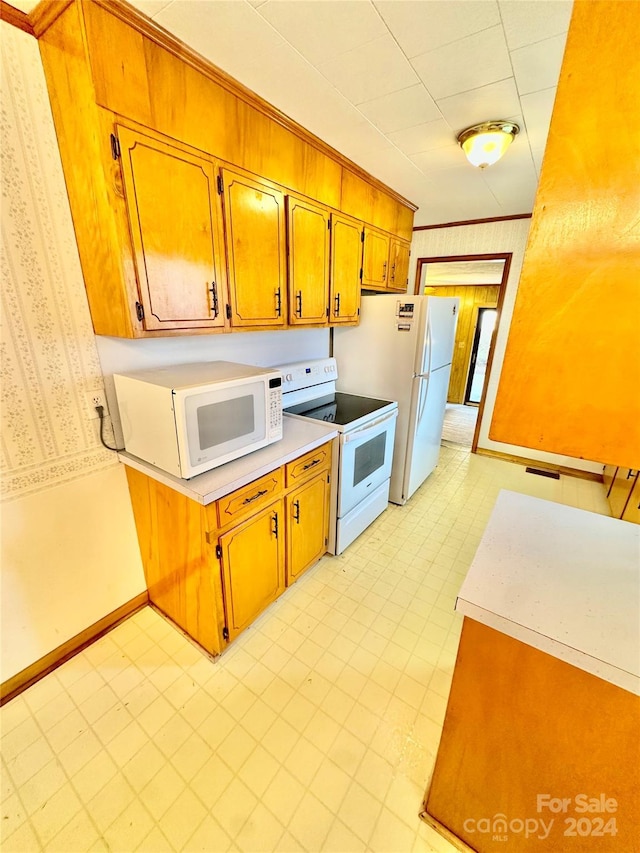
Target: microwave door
pixel 219 424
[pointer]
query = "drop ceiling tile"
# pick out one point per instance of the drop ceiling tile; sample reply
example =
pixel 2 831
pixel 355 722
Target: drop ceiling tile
pixel 402 109
pixel 529 21
pixel 25 6
pixel 424 26
pixel 515 193
pixel 495 101
pixel 151 7
pixel 448 157
pixel 423 137
pixel 322 31
pixel 228 33
pixel 537 108
pixel 256 3
pixel 537 66
pixel 471 62
pixel 538 156
pixel 371 70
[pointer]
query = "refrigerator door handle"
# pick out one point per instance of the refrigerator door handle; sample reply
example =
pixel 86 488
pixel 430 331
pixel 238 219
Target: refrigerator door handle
pixel 423 399
pixel 421 375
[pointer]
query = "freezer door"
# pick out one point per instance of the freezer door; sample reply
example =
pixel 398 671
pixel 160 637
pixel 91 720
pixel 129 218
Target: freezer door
pixel 425 428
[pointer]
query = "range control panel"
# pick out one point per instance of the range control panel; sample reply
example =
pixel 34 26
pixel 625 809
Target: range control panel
pixel 307 374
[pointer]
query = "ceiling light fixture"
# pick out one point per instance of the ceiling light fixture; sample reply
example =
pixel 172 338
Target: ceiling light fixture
pixel 484 144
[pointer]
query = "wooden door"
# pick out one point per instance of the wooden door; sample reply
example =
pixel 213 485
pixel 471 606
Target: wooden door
pixel 375 260
pixel 176 230
pixel 254 219
pixel 307 511
pixel 308 246
pixel 253 566
pixel 399 260
pixel 346 269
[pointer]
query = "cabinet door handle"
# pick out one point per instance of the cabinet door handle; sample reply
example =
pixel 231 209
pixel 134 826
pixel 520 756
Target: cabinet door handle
pixel 393 273
pixel 299 303
pixel 278 303
pixel 214 299
pixel 255 497
pixel 336 309
pixel 274 529
pixel 310 464
pixel 296 512
pixel 384 271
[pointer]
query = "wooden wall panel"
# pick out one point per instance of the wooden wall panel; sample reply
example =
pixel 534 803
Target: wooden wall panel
pixel 471 298
pixel 571 373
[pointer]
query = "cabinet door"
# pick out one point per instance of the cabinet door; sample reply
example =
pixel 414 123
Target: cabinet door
pixel 399 260
pixel 254 219
pixel 307 510
pixel 346 269
pixel 375 259
pixel 608 476
pixel 253 566
pixel 632 509
pixel 176 230
pixel 620 490
pixel 308 236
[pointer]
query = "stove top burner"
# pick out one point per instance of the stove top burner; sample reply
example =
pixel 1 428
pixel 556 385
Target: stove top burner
pixel 341 409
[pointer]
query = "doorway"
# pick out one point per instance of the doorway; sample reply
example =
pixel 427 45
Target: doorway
pixel 479 281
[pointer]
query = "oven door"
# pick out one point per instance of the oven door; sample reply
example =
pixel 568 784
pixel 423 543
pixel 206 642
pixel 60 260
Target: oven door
pixel 365 460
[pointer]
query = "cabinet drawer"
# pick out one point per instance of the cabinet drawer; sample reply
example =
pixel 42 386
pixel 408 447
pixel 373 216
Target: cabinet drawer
pixel 244 502
pixel 307 465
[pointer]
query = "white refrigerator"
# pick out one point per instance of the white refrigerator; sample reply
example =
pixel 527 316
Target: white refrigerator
pixel 402 350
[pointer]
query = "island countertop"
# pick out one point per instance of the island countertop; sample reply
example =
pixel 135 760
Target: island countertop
pixel 562 580
pixel 299 436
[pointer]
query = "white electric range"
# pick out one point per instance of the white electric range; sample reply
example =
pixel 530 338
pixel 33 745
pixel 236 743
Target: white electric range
pixel 367 431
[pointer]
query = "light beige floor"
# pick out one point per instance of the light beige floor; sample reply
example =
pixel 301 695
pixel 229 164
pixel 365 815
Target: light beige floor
pixel 317 730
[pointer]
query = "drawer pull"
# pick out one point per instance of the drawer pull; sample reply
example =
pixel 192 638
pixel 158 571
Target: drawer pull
pixel 311 464
pixel 296 512
pixel 255 497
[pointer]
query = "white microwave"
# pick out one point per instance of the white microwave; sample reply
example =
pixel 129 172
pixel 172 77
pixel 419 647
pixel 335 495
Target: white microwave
pixel 189 418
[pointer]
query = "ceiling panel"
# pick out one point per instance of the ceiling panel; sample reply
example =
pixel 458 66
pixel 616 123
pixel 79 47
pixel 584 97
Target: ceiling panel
pixel 371 70
pixel 402 109
pixel 423 26
pixel 537 108
pixel 447 71
pixel 423 137
pixel 495 101
pixel 537 66
pixel 529 21
pixel 322 31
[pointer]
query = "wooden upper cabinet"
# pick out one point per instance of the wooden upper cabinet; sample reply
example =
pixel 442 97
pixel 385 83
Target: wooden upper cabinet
pixel 375 262
pixel 308 238
pixel 346 266
pixel 254 220
pixel 176 231
pixel 399 264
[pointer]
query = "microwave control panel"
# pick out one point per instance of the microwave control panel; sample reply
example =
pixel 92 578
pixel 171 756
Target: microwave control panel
pixel 274 408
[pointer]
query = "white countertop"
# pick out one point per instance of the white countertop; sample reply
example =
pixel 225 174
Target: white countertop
pixel 298 437
pixel 562 580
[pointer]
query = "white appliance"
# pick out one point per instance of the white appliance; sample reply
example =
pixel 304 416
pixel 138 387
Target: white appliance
pixel 403 349
pixel 367 429
pixel 189 418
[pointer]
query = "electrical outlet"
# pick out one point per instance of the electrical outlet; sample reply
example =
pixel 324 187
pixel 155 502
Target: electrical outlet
pixel 93 399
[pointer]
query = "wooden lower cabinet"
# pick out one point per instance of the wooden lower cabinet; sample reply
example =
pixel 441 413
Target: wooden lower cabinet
pixel 252 557
pixel 213 569
pixel 307 514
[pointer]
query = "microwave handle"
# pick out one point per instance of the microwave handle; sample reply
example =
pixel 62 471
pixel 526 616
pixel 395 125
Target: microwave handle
pixel 369 429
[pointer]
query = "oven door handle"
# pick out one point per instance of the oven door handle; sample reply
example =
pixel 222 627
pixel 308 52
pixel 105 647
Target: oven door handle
pixel 369 429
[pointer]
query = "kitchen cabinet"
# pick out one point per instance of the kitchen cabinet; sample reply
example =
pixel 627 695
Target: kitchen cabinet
pixel 308 237
pixel 399 251
pixel 608 475
pixel 254 219
pixel 175 221
pixel 212 568
pixel 252 559
pixel 375 259
pixel 346 269
pixel 632 508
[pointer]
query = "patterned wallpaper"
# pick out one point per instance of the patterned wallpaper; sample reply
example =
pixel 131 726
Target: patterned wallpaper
pixel 48 351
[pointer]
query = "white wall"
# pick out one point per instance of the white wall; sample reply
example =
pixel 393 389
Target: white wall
pixel 506 236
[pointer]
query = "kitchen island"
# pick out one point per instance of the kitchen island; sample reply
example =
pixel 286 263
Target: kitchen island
pixel 541 738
